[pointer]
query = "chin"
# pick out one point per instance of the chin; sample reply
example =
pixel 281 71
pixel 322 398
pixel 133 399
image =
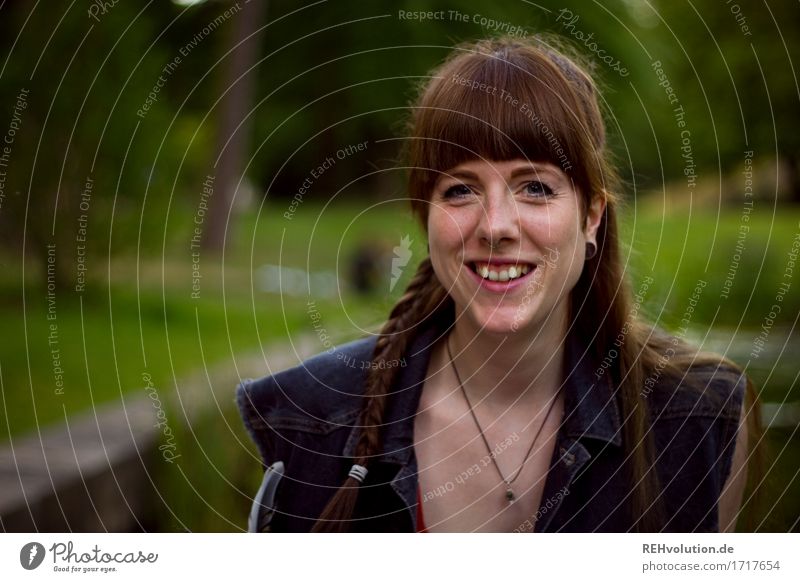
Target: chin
pixel 500 321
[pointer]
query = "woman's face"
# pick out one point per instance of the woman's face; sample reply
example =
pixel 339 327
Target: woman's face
pixel 530 214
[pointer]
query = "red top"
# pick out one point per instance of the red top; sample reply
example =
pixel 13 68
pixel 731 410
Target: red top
pixel 421 528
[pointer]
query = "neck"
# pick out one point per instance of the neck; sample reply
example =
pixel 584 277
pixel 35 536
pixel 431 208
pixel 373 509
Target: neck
pixel 501 369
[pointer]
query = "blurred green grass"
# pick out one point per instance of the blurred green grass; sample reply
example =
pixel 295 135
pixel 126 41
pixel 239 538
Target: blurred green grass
pixel 682 248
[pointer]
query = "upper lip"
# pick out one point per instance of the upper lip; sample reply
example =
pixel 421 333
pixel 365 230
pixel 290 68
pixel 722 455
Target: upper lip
pixel 501 261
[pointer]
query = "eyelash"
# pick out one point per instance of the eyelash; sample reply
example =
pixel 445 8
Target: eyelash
pixel 451 191
pixel 546 191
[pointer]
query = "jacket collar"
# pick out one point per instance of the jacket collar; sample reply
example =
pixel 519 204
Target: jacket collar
pixel 590 409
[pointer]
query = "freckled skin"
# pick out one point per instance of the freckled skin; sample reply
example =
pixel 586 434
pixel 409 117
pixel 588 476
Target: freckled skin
pixel 527 224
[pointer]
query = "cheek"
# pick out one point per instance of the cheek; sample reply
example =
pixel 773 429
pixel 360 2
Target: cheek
pixel 553 232
pixel 443 239
pixel 447 231
pixel 558 238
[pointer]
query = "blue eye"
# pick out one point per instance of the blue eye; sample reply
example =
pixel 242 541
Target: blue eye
pixel 457 191
pixel 538 189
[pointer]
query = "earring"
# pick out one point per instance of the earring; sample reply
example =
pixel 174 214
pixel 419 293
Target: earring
pixel 591 249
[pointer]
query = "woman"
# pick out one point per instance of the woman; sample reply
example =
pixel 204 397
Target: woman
pixel 513 387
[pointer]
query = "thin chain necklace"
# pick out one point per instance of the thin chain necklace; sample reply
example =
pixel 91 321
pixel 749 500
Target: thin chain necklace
pixel 509 492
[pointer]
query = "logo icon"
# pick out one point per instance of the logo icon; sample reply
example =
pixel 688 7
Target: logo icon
pixel 31 555
pixel 402 254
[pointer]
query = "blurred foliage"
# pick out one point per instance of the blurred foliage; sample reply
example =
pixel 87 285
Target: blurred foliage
pixel 85 81
pixel 733 66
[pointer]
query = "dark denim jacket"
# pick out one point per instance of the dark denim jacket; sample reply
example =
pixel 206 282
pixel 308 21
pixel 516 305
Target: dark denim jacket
pixel 302 421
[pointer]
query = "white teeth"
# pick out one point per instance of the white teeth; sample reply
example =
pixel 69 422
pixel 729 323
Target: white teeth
pixel 512 272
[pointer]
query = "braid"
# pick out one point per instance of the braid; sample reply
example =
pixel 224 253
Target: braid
pixel 423 297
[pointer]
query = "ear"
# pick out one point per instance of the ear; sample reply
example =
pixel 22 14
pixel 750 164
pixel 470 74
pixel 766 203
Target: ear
pixel 594 214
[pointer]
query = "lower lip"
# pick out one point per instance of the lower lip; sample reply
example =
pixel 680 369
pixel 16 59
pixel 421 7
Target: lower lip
pixel 500 286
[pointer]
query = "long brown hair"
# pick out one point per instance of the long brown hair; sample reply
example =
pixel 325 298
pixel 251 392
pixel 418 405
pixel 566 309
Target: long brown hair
pixel 503 99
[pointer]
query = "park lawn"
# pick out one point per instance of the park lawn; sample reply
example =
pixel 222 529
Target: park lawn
pixel 684 248
pixel 104 348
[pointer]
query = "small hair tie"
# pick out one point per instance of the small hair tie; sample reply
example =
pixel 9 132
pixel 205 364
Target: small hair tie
pixel 358 472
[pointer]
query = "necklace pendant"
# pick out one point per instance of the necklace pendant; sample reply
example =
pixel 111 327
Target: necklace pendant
pixel 510 495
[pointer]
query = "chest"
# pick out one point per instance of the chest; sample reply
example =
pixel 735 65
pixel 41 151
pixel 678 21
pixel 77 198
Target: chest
pixel 464 476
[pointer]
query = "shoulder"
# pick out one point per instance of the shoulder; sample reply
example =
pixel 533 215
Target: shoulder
pixel 315 397
pixel 695 418
pixel 714 390
pixel 315 387
pixel 707 385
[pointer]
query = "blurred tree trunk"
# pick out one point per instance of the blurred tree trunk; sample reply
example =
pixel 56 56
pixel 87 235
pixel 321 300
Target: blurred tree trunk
pixel 233 140
pixel 793 162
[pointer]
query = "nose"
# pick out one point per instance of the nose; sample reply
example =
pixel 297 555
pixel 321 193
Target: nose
pixel 499 221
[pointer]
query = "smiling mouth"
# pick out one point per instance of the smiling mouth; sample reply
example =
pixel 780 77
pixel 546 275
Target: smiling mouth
pixel 502 273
